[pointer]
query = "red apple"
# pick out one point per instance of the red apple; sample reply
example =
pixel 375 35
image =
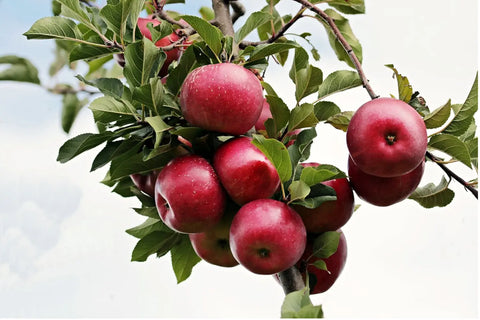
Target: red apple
pixel 222 97
pixel 264 115
pixel 267 236
pixel 386 137
pixel 188 195
pixel 244 171
pixel 145 183
pixel 330 215
pixel 381 191
pixel 213 245
pixel 321 280
pixel 173 54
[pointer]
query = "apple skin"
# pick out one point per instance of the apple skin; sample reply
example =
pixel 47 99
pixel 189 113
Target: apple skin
pixel 264 115
pixel 386 137
pixel 381 191
pixel 244 171
pixel 267 236
pixel 330 215
pixel 222 97
pixel 173 54
pixel 321 280
pixel 188 195
pixel 213 245
pixel 145 183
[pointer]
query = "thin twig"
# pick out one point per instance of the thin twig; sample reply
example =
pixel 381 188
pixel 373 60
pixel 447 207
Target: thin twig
pixel 452 174
pixel 331 23
pixel 238 9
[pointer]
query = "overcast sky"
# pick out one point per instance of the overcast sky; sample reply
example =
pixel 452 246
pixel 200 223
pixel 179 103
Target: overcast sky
pixel 63 249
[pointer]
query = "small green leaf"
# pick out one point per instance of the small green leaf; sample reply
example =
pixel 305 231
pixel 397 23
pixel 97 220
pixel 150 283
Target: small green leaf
pixel 297 304
pixel 150 95
pixel 473 149
pixel 315 175
pixel 300 150
pixel 20 69
pixel 326 244
pixel 184 259
pixel 319 194
pixel 348 7
pixel 108 86
pixel 277 153
pixel 280 114
pixel 255 20
pixel 159 126
pixel 159 242
pixel 150 225
pixel 431 196
pixel 72 9
pixel 269 89
pixel 71 106
pixel 81 143
pixel 209 33
pixel 338 81
pixel 151 212
pixel 54 28
pixel 438 116
pixel 143 61
pixel 107 109
pixel 207 13
pixel 341 120
pixel 302 116
pixel 299 190
pixel 320 264
pixel 452 146
pixel 405 90
pixel 325 109
pixel 185 66
pixel 105 155
pixel 90 52
pixel 264 50
pixel 464 114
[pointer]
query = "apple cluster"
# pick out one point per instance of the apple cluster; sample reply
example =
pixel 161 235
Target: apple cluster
pixel 225 199
pixel 387 141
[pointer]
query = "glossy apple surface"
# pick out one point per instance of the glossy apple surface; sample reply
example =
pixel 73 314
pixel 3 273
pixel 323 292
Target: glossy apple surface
pixel 173 54
pixel 264 115
pixel 222 97
pixel 244 171
pixel 386 137
pixel 267 236
pixel 145 182
pixel 213 245
pixel 321 280
pixel 381 191
pixel 188 195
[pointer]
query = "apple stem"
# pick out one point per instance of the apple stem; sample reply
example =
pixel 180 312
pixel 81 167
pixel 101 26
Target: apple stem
pixel 291 280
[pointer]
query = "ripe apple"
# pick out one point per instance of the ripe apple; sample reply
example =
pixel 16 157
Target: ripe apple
pixel 188 195
pixel 264 115
pixel 330 215
pixel 321 280
pixel 267 236
pixel 213 245
pixel 222 97
pixel 145 183
pixel 381 191
pixel 244 171
pixel 173 54
pixel 386 137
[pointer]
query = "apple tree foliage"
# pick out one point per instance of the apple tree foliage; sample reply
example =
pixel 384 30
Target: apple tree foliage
pixel 139 119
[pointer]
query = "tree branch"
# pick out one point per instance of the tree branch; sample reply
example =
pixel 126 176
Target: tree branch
pixel 222 17
pixel 343 42
pixel 452 174
pixel 279 34
pixel 238 9
pixel 291 280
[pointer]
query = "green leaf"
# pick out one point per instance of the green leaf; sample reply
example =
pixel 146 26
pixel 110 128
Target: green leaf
pixel 319 194
pixel 300 150
pixel 338 81
pixel 71 106
pixel 105 155
pixel 20 69
pixel 264 50
pixel 108 86
pixel 72 9
pixel 473 149
pixel 90 52
pixel 184 259
pixel 464 114
pixel 315 175
pixel 452 146
pixel 302 116
pixel 54 28
pixel 325 109
pixel 209 33
pixel 346 31
pixel 150 225
pixel 341 120
pixel 150 95
pixel 81 143
pixel 185 66
pixel 280 114
pixel 298 190
pixel 277 153
pixel 107 109
pixel 269 89
pixel 405 90
pixel 326 244
pixel 438 116
pixel 143 61
pixel 348 7
pixel 431 196
pixel 207 13
pixel 297 304
pixel 159 126
pixel 155 242
pixel 151 212
pixel 255 20
pixel 320 264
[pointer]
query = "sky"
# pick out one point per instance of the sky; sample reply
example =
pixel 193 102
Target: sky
pixel 63 247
